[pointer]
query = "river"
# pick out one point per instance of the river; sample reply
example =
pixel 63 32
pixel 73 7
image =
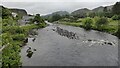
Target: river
pixel 52 49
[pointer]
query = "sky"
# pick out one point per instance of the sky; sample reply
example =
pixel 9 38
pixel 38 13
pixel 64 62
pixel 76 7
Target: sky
pixel 48 6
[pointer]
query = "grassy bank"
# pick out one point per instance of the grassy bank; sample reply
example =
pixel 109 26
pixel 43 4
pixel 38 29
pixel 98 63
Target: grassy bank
pixel 13 37
pixel 111 27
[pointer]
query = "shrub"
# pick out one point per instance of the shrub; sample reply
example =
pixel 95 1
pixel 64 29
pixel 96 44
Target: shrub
pixel 10 56
pixel 101 22
pixel 18 37
pixel 115 17
pixel 38 19
pixel 118 31
pixel 55 17
pixel 6 38
pixel 88 23
pixel 13 29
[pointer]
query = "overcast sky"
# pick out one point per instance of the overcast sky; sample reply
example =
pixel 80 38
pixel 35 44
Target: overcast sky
pixel 48 6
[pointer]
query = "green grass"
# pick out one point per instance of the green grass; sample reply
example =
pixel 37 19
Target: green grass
pixel 71 24
pixel 13 37
pixel 111 27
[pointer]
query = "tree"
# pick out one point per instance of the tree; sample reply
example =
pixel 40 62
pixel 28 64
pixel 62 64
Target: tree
pixel 100 14
pixel 66 16
pixel 116 8
pixel 107 12
pixel 81 15
pixel 6 13
pixel 115 17
pixel 91 14
pixel 38 19
pixel 105 9
pixel 55 17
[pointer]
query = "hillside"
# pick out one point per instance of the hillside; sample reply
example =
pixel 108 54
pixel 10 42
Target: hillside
pixel 84 11
pixel 19 11
pixel 61 13
pixel 101 8
pixel 80 11
pixel 98 9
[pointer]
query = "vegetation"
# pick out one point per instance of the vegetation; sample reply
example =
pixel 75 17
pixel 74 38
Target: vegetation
pixel 116 11
pixel 55 17
pixel 5 13
pixel 116 8
pixel 101 23
pixel 118 32
pixel 38 19
pixel 88 23
pixel 13 36
pixel 106 20
pixel 116 17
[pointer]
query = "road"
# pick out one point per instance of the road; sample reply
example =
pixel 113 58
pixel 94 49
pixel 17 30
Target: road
pixel 53 49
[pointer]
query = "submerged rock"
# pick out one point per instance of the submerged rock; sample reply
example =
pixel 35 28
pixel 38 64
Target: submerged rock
pixel 66 33
pixel 89 40
pixel 53 29
pixel 29 54
pixel 29 50
pixel 34 49
pixel 105 42
pixel 109 43
pixel 33 39
pixel 26 40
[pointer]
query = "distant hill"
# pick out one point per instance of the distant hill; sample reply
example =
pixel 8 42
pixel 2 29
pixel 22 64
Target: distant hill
pixel 83 12
pixel 98 9
pixel 80 11
pixel 61 13
pixel 109 7
pixel 101 8
pixel 19 11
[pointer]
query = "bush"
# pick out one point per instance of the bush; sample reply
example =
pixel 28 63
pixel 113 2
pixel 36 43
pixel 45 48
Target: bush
pixel 38 19
pixel 10 56
pixel 8 22
pixel 88 23
pixel 6 13
pixel 115 17
pixel 101 22
pixel 6 38
pixel 18 37
pixel 118 31
pixel 13 29
pixel 55 17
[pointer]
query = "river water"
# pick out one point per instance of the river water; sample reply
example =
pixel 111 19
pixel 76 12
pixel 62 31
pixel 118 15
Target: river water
pixel 52 49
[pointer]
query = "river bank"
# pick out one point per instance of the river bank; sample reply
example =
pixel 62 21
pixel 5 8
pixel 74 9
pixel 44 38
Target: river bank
pixel 111 27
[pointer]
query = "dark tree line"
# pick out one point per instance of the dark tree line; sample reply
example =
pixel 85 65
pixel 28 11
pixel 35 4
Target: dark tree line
pixel 116 8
